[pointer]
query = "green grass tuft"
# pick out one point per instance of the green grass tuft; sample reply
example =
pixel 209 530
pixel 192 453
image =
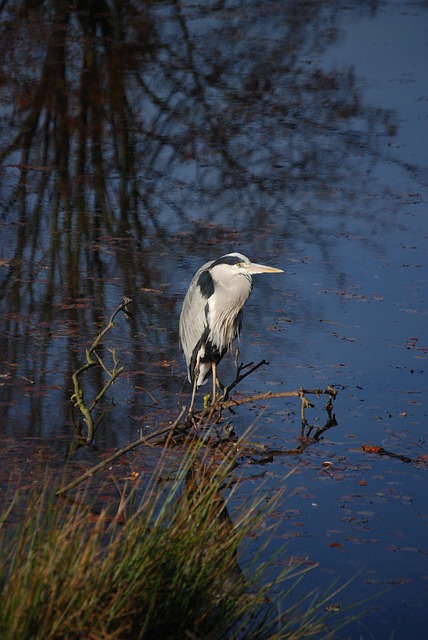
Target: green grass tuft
pixel 168 571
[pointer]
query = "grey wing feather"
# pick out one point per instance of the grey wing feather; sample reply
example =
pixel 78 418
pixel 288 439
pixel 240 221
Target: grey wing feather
pixel 193 320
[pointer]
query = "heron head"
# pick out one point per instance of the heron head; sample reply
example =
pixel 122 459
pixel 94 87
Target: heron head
pixel 242 264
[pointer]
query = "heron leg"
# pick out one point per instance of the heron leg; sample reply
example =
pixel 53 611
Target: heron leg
pixel 192 401
pixel 217 384
pixel 195 386
pixel 214 374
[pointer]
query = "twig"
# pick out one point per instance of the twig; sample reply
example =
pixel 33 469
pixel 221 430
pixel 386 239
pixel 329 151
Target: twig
pixel 300 393
pixel 93 359
pixel 108 384
pixel 148 393
pixel 132 445
pixel 240 376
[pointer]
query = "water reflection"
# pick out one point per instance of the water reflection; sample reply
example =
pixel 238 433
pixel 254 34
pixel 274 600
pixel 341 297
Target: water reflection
pixel 132 134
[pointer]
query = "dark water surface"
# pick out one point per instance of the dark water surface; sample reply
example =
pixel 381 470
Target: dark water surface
pixel 137 144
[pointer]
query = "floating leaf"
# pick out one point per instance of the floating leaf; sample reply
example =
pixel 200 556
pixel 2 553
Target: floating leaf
pixel 369 449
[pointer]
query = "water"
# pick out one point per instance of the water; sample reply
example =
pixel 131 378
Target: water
pixel 292 132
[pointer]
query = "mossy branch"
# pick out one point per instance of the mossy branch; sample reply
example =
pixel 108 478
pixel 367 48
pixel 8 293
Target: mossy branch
pixel 93 359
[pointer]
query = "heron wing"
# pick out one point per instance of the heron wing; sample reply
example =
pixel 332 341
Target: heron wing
pixel 193 327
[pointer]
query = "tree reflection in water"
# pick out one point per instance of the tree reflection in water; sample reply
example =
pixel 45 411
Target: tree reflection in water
pixel 133 132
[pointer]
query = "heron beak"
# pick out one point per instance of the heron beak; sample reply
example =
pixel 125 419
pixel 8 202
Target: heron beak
pixel 253 268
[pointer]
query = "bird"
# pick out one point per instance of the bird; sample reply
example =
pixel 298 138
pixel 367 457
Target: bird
pixel 211 315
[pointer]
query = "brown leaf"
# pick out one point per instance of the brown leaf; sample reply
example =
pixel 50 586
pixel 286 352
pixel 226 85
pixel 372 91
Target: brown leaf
pixel 371 449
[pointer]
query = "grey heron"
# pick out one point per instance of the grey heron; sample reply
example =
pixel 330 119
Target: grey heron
pixel 211 317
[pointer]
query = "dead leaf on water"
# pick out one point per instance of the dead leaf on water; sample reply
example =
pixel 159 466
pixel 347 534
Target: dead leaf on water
pixel 369 449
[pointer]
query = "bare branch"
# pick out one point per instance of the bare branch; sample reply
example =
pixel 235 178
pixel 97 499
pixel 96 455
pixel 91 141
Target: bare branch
pixel 93 359
pixel 299 393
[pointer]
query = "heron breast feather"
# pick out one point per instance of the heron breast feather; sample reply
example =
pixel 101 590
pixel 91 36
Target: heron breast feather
pixel 224 323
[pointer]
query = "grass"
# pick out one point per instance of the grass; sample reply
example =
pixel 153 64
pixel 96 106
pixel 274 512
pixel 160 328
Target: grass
pixel 166 570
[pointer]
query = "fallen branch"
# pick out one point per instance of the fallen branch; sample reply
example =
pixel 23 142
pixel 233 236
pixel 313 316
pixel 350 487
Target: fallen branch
pixel 206 415
pixel 299 393
pixel 212 415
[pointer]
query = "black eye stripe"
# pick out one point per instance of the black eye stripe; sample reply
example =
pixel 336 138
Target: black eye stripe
pixel 226 260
